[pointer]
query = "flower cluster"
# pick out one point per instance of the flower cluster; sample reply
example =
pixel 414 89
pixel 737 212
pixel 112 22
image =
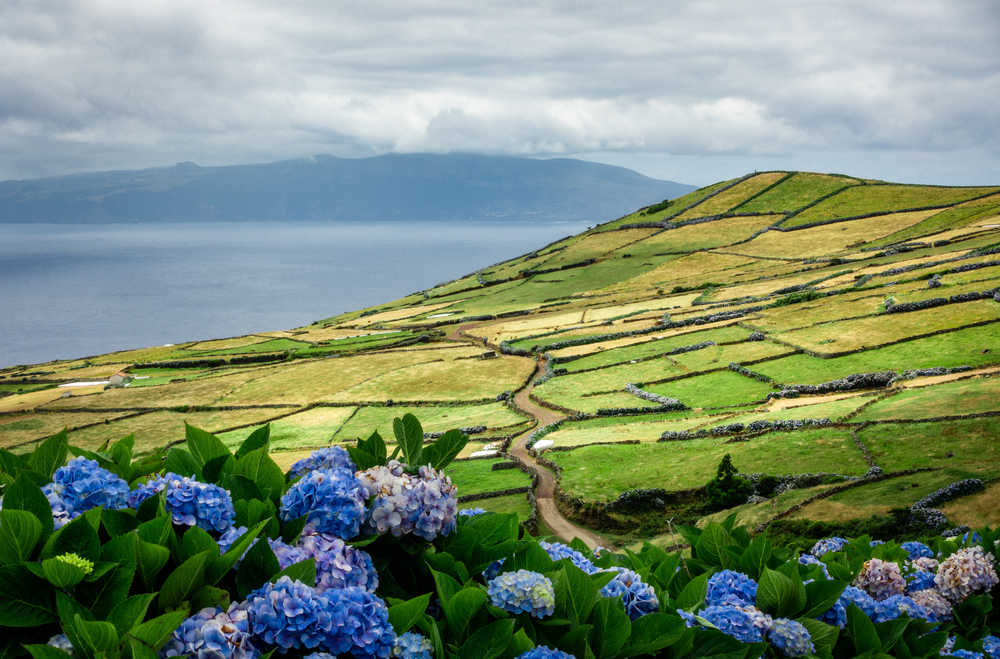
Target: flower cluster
pixel 919 580
pixel 285 553
pixel 827 545
pixel 880 579
pixel 189 502
pixel 895 606
pixel 734 622
pixel 545 652
pixel 424 505
pixel 412 645
pixel 332 499
pixel 917 550
pixel 523 592
pixel 332 457
pixel 967 571
pixel 80 485
pixel 729 587
pixel 213 633
pixel 61 642
pixel 938 609
pixel 791 638
pixel 558 551
pixel 72 558
pixel 639 597
pixel 338 565
pixel 288 614
pixel 809 559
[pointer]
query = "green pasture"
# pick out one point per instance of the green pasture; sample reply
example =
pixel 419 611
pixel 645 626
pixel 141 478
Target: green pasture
pixel 971 396
pixel 861 199
pixel 718 389
pixel 433 418
pixel 512 503
pixel 795 192
pixel 969 445
pixel 654 347
pixel 728 199
pixel 477 477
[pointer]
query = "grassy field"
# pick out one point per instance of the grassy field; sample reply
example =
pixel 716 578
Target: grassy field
pixel 820 289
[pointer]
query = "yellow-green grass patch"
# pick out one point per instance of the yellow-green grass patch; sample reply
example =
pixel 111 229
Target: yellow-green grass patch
pixel 593 246
pixel 601 473
pixel 311 428
pixel 633 428
pixel 433 418
pixel 734 196
pixel 31 426
pixel 655 304
pixel 829 238
pixel 976 509
pixel 579 401
pixel 399 314
pixel 157 429
pixel 752 514
pixel 225 344
pixel 827 409
pixel 676 205
pixel 33 399
pixel 967 214
pixel 656 347
pixel 467 379
pixel 702 236
pixel 689 270
pixel 517 504
pixel 886 328
pixel 478 477
pixel 967 444
pixel 718 389
pixel 970 396
pixel 862 199
pixel 793 193
pixel 611 378
pixel 717 356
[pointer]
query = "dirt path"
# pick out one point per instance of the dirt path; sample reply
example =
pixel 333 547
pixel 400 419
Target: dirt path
pixel 548 512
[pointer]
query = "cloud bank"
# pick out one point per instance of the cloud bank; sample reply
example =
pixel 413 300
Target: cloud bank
pixel 100 84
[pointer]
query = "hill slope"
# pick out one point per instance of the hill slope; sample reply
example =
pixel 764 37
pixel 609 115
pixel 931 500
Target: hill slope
pixel 839 338
pixel 391 187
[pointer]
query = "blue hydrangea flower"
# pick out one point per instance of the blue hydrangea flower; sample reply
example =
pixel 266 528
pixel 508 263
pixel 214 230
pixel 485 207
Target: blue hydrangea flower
pixel 80 485
pixel 639 597
pixel 919 580
pixel 425 505
pixel 729 587
pixel 232 534
pixel 827 545
pixel 897 605
pixel 791 637
pixel 859 598
pixel 289 614
pixel 971 537
pixel 875 543
pixel 965 654
pixel 836 615
pixel 687 617
pixel 360 624
pixel 493 569
pixel 189 502
pixel 286 554
pixel 332 457
pixel 61 642
pixel 545 652
pixel 320 655
pixel 470 512
pixel 733 622
pixel 917 550
pixel 338 565
pixel 523 592
pixel 558 551
pixel 215 633
pixel 809 559
pixel 333 499
pixel 412 645
pixel 991 646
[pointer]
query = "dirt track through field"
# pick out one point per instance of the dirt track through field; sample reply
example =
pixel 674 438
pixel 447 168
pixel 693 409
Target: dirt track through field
pixel 548 512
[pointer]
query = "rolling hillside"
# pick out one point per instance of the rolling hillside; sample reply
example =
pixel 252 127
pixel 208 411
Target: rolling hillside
pixel 838 337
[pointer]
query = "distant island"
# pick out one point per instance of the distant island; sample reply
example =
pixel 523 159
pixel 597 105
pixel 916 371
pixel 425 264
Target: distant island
pixel 394 187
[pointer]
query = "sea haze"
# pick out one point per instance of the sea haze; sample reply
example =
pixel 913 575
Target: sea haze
pixel 79 290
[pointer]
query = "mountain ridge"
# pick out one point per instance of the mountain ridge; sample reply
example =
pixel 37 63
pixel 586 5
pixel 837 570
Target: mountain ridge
pixel 327 188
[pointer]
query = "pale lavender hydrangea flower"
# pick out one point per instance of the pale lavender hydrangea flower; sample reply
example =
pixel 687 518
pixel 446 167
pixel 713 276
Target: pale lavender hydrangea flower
pixel 791 638
pixel 936 606
pixel 213 634
pixel 424 505
pixel 881 579
pixel 412 645
pixel 967 571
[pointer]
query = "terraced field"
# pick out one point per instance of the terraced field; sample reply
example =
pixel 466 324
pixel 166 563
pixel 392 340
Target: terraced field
pixel 739 319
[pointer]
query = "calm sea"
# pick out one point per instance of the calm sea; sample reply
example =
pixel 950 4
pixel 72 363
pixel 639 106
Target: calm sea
pixel 74 291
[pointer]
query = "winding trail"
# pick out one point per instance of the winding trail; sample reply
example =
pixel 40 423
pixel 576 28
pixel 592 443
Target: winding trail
pixel 548 512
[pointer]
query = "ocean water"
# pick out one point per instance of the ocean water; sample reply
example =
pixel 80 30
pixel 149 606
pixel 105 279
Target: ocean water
pixel 75 291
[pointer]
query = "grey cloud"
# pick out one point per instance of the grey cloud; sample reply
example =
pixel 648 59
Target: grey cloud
pixel 97 84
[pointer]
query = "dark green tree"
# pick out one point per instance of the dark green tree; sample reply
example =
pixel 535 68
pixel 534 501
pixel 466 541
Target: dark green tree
pixel 728 488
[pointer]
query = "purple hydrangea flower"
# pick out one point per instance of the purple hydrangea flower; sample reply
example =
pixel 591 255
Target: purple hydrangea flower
pixel 412 645
pixel 338 565
pixel 827 545
pixel 332 457
pixel 790 637
pixel 189 502
pixel 289 614
pixel 333 499
pixel 558 551
pixel 523 592
pixel 286 554
pixel 729 587
pixel 734 622
pixel 965 572
pixel 924 564
pixel 424 505
pixel 639 597
pixel 917 550
pixel 213 633
pixel 80 485
pixel 545 652
pixel 880 579
pixel 936 606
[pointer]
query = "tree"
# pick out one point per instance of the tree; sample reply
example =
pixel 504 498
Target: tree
pixel 728 488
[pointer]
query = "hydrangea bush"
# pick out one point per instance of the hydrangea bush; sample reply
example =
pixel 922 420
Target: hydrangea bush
pixel 200 551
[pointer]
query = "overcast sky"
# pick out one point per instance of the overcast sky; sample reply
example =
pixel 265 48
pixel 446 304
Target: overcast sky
pixel 896 90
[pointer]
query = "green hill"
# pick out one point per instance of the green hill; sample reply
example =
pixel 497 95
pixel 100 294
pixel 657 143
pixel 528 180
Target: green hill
pixel 757 317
